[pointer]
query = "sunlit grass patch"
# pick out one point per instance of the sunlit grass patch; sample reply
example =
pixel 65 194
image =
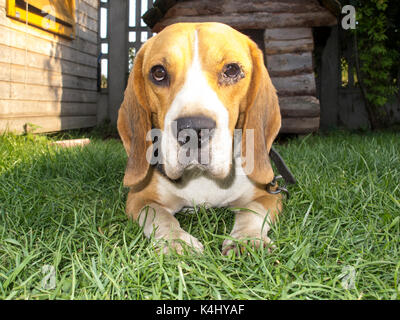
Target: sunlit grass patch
pixel 338 237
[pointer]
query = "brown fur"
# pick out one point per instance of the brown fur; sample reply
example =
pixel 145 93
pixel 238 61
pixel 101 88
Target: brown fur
pixel 263 115
pixel 133 125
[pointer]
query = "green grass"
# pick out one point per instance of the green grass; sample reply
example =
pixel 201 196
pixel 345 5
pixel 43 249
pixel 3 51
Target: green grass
pixel 65 208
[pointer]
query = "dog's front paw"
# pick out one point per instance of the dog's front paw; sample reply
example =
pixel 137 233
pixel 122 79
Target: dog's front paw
pixel 178 240
pixel 241 240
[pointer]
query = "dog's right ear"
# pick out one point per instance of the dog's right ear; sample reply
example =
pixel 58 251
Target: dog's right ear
pixel 263 116
pixel 134 123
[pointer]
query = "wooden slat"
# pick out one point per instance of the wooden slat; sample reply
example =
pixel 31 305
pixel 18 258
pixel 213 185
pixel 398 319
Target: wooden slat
pixel 300 106
pixel 22 74
pixel 299 125
pixel 86 34
pixel 288 46
pixel 288 34
pixel 90 10
pixel 93 3
pixel 18 91
pixel 20 108
pixel 288 40
pixel 329 75
pixel 87 22
pixel 71 143
pixel 47 124
pixel 209 7
pixel 303 84
pixel 84 20
pixel 18 39
pixel 21 57
pixel 5 90
pixel 289 64
pixel 258 20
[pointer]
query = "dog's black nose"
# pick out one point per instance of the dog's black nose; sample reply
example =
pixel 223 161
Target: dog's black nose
pixel 202 127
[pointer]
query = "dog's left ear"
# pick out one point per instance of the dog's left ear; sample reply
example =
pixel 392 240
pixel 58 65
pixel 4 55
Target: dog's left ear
pixel 134 123
pixel 262 114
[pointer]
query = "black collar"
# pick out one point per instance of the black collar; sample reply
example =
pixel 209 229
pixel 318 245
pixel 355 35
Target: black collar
pixel 281 167
pixel 284 172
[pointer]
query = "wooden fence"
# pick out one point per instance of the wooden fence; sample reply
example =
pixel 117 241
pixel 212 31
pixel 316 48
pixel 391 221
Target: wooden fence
pixel 338 89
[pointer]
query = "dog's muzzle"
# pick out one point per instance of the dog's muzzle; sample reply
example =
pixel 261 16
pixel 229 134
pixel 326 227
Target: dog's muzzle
pixel 198 127
pixel 193 135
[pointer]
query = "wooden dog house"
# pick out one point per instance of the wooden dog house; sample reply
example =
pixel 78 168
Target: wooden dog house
pixel 283 29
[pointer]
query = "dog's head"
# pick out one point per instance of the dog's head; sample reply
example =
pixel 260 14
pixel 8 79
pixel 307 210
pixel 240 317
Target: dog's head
pixel 196 83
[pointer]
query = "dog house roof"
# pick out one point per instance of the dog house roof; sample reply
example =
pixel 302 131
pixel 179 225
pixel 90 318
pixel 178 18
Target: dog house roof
pixel 250 14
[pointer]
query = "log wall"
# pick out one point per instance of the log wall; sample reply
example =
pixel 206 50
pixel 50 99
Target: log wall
pixel 289 59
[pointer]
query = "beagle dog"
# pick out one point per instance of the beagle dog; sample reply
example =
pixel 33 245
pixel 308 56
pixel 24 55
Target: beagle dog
pixel 206 82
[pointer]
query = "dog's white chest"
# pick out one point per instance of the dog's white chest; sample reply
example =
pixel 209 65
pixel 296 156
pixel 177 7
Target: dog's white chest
pixel 203 190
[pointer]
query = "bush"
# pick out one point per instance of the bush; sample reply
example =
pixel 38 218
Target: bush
pixel 378 43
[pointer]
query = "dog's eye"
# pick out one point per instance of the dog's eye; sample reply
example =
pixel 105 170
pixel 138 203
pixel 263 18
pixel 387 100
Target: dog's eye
pixel 231 73
pixel 232 70
pixel 158 74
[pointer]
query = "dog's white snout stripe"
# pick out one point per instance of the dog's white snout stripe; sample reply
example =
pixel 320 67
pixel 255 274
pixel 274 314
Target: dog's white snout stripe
pixel 196 97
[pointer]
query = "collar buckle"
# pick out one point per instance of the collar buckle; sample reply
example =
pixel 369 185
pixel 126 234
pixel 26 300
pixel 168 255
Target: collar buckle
pixel 274 188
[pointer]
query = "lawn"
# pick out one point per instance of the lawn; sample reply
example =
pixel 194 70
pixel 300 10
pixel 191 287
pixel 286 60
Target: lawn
pixel 64 233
